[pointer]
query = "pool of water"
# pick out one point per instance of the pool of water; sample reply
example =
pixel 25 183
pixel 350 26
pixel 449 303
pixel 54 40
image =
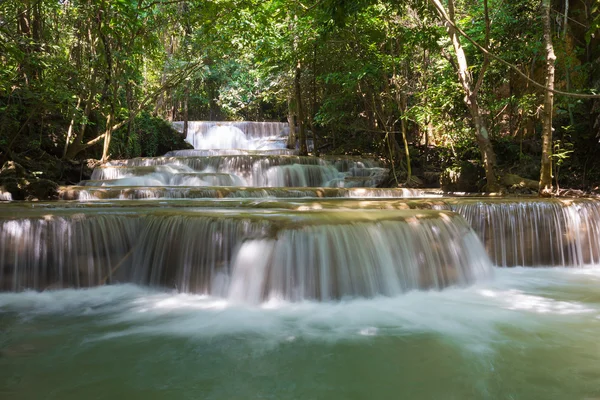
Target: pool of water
pixel 524 334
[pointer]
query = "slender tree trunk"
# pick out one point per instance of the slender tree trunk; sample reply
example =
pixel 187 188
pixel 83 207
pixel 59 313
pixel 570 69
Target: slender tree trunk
pixel 313 106
pixel 130 124
pixel 186 96
pixel 401 102
pixel 300 110
pixel 291 143
pixel 466 80
pixel 77 145
pixel 546 167
pixel 405 140
pixel 70 130
pixel 107 137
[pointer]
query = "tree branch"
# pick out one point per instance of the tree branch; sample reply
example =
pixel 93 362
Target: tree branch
pixel 485 51
pixel 144 103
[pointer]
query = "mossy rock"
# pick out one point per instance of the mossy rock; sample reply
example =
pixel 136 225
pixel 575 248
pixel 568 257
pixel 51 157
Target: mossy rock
pixel 11 169
pixel 42 189
pixel 14 186
pixel 22 185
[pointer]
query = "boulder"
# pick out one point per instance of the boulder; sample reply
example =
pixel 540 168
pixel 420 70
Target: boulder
pixel 16 183
pixel 515 182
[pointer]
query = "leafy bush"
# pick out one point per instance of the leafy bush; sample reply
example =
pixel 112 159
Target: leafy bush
pixel 148 136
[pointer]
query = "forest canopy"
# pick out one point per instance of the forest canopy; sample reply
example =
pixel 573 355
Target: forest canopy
pixel 488 92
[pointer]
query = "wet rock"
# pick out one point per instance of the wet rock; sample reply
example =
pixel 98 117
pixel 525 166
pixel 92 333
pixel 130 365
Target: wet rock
pixel 11 188
pixel 42 189
pixel 12 169
pixel 24 185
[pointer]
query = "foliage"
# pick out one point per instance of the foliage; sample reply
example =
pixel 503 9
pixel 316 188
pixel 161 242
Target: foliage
pixel 78 73
pixel 147 136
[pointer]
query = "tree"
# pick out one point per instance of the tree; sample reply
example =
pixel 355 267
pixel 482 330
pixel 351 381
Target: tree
pixel 546 168
pixel 471 91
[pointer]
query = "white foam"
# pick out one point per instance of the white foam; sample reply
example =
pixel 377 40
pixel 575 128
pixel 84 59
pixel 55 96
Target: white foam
pixel 470 315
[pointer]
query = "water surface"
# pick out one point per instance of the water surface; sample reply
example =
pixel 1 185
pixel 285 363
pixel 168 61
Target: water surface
pixel 525 334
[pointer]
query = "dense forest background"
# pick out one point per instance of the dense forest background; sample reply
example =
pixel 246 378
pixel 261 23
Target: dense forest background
pixel 466 92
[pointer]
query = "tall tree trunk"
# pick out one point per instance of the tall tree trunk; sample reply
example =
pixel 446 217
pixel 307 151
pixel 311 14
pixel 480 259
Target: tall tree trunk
pixel 107 137
pixel 77 145
pixel 546 167
pixel 186 96
pixel 470 89
pixel 70 130
pixel 24 30
pixel 401 103
pixel 405 138
pixel 291 143
pixel 313 105
pixel 300 110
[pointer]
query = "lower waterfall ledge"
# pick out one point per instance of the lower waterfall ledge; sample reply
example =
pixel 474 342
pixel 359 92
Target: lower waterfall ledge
pixel 293 255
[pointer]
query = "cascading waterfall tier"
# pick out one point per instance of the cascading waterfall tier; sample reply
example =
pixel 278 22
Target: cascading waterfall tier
pixel 536 232
pixel 63 249
pixel 91 193
pixel 5 196
pixel 235 134
pixel 246 256
pixel 234 154
pixel 230 152
pixel 523 232
pixel 239 170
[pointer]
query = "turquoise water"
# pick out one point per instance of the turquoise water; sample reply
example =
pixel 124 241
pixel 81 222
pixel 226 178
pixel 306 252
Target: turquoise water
pixel 525 334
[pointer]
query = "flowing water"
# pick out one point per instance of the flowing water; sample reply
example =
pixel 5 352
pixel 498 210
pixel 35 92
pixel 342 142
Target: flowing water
pixel 526 334
pixel 240 270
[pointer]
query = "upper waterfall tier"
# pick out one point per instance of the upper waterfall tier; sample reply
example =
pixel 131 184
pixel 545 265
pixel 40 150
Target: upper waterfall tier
pixel 238 154
pixel 244 135
pixel 248 257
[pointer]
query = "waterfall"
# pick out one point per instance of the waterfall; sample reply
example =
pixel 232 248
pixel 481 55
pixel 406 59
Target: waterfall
pixel 536 232
pixel 5 196
pixel 297 175
pixel 91 193
pixel 235 135
pixel 250 169
pixel 230 152
pixel 363 259
pixel 54 251
pixel 251 256
pixel 251 224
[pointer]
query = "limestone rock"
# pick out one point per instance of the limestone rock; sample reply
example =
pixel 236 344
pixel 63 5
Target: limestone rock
pixel 516 182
